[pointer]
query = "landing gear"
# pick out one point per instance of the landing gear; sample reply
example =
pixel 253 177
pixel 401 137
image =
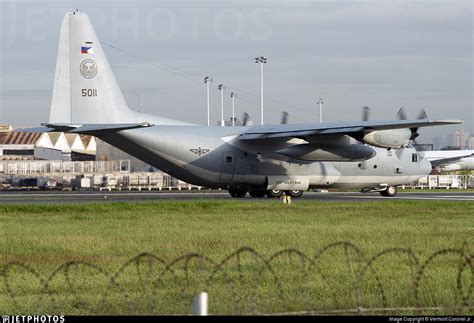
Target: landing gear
pixel 257 193
pixel 294 193
pixel 274 193
pixel 237 193
pixel 390 191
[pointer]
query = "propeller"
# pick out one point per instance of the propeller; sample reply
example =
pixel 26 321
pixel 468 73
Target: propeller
pixel 365 114
pixel 284 117
pixel 245 119
pixel 402 115
pixel 422 114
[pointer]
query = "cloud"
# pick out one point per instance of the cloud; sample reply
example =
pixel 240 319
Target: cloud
pixel 351 53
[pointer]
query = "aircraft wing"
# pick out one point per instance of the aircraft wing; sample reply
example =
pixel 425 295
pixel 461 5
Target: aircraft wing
pixel 85 128
pixel 443 161
pixel 349 128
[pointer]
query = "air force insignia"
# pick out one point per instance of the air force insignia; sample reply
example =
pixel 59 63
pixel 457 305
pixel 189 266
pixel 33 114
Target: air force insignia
pixel 88 68
pixel 199 151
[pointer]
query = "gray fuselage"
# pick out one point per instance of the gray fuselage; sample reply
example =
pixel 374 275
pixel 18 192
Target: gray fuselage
pixel 215 157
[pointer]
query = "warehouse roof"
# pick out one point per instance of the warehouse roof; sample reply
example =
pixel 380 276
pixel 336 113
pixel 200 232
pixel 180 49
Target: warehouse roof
pixel 19 138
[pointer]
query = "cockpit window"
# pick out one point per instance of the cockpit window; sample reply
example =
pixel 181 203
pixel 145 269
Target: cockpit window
pixel 414 158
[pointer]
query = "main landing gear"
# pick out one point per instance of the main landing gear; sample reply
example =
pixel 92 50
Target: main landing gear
pixel 390 191
pixel 239 193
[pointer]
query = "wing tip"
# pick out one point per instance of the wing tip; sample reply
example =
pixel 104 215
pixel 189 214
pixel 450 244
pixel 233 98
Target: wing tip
pixel 448 121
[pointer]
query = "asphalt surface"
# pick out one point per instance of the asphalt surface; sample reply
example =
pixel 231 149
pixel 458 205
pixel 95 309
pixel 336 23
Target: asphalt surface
pixel 53 197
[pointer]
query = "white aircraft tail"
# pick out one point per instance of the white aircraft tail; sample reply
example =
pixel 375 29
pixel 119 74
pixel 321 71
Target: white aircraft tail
pixel 85 89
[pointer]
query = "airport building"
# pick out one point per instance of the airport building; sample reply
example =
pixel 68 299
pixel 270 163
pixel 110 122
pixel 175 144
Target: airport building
pixel 70 160
pixel 45 146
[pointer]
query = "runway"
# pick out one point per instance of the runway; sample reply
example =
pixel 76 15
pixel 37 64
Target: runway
pixel 39 197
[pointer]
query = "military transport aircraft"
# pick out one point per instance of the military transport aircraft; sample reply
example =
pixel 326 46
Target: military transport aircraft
pixel 261 160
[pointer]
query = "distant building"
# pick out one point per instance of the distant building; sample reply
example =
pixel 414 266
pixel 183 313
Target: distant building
pixel 27 146
pixel 423 147
pixel 45 146
pixel 228 123
pixel 459 138
pixel 470 143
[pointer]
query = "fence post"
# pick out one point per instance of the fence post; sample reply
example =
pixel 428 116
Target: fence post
pixel 200 304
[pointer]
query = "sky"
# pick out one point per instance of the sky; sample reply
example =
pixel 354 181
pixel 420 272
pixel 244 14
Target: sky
pixel 381 54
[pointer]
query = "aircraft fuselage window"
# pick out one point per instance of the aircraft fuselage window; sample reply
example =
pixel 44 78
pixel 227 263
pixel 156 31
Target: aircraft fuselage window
pixel 228 159
pixel 414 158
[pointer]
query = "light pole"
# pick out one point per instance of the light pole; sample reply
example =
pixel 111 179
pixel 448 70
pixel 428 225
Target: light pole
pixel 208 80
pixel 221 88
pixel 261 60
pixel 233 96
pixel 320 102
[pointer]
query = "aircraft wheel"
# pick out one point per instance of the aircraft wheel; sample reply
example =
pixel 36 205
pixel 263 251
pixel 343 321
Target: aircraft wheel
pixel 257 193
pixel 274 193
pixel 294 193
pixel 237 193
pixel 391 191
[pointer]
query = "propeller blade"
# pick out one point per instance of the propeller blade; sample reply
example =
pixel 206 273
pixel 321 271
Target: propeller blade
pixel 284 117
pixel 365 114
pixel 414 131
pixel 245 119
pixel 422 114
pixel 401 114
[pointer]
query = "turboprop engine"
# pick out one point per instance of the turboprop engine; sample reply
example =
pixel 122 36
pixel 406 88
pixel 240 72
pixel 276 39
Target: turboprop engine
pixel 397 138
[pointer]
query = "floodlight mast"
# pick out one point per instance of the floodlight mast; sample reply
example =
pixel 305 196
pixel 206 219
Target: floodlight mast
pixel 221 88
pixel 233 96
pixel 320 102
pixel 261 60
pixel 208 80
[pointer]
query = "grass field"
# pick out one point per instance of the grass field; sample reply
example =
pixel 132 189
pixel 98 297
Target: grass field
pixel 107 236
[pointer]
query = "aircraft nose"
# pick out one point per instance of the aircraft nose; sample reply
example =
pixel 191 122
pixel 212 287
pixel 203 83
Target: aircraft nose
pixel 425 166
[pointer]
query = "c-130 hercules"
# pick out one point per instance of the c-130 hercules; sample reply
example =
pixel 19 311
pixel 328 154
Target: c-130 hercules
pixel 262 160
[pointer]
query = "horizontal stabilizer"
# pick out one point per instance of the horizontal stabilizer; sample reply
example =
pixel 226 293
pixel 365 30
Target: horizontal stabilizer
pixel 85 128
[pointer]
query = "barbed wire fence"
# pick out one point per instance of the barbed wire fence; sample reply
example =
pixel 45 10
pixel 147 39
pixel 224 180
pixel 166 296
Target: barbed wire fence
pixel 337 279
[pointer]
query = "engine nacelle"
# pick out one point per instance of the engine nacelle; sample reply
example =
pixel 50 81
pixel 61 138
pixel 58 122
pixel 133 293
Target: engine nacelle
pixel 393 138
pixel 320 152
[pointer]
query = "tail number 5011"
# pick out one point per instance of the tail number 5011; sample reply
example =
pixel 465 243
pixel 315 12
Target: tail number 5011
pixel 89 92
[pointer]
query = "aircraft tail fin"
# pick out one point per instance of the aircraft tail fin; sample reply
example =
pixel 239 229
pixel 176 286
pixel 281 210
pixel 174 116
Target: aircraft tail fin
pixel 85 89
